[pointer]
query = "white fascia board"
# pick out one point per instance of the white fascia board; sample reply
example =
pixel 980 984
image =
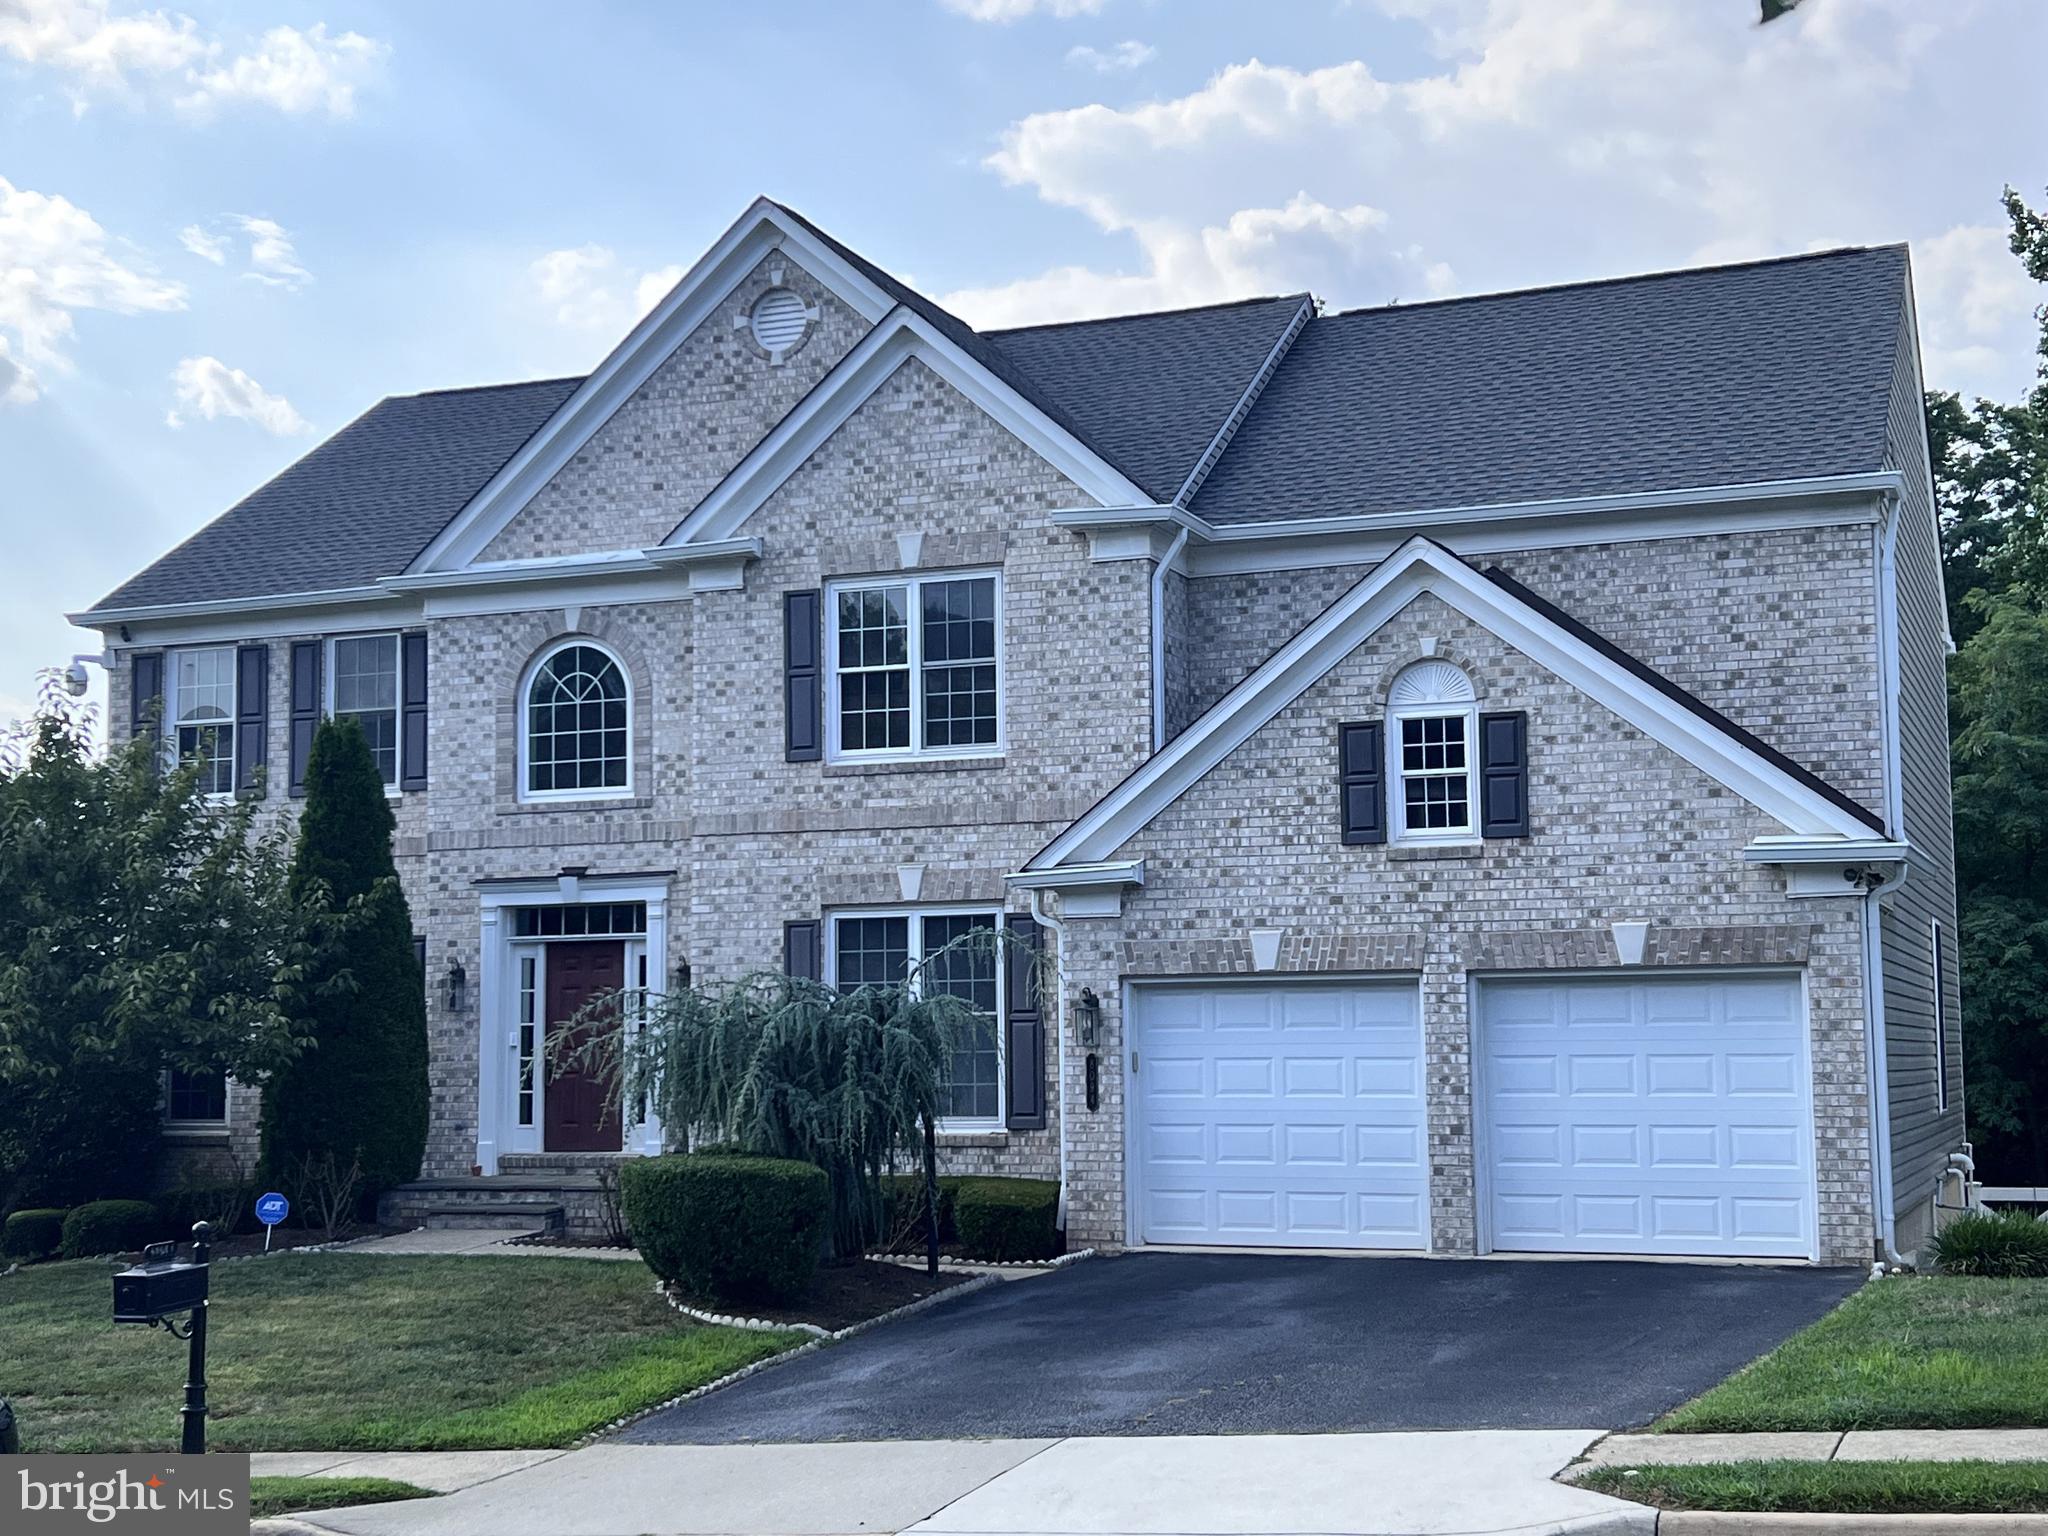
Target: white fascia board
pixel 1122 872
pixel 1868 849
pixel 896 340
pixel 256 618
pixel 763 228
pixel 616 576
pixel 1419 567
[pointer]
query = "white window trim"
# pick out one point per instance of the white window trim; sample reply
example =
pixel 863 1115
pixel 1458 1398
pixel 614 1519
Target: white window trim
pixel 1940 1019
pixel 199 1127
pixel 829 965
pixel 397 639
pixel 1398 830
pixel 915 752
pixel 173 720
pixel 523 725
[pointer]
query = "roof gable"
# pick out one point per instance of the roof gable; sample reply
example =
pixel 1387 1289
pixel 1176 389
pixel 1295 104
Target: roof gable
pixel 1791 795
pixel 1769 371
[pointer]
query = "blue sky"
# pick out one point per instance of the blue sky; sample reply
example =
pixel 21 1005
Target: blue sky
pixel 225 230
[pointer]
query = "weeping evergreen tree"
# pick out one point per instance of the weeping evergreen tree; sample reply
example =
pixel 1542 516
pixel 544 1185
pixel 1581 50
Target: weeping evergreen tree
pixel 779 1066
pixel 361 1092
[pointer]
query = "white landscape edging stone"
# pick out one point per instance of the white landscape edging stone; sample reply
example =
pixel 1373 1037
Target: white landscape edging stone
pixel 983 1266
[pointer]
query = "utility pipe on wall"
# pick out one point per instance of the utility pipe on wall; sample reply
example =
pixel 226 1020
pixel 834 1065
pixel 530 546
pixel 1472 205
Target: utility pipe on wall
pixel 1880 1070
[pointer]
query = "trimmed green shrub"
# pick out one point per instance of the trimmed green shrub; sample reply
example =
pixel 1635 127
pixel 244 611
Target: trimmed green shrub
pixel 730 1229
pixel 362 1094
pixel 31 1235
pixel 227 1206
pixel 2002 1244
pixel 1007 1218
pixel 110 1226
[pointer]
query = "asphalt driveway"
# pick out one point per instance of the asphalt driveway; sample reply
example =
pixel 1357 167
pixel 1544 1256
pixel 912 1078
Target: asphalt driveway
pixel 1203 1344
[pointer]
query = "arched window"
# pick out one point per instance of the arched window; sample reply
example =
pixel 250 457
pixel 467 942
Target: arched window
pixel 576 738
pixel 1432 769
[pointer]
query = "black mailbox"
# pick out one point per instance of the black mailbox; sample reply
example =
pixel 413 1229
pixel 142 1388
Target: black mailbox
pixel 158 1287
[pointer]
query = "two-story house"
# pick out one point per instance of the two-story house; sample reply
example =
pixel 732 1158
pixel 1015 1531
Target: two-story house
pixel 1479 767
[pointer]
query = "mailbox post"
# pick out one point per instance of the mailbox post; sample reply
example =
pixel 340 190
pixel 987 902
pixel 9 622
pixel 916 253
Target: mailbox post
pixel 153 1292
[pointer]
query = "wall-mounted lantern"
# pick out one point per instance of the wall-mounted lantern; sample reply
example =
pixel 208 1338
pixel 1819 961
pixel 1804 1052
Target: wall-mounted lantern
pixel 1088 1018
pixel 458 987
pixel 682 976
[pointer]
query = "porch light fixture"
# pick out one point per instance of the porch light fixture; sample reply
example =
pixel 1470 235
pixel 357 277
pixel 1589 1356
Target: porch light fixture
pixel 458 986
pixel 1088 1018
pixel 682 976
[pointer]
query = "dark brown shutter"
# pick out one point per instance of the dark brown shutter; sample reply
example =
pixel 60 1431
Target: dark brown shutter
pixel 252 715
pixel 146 694
pixel 802 676
pixel 1504 775
pixel 305 709
pixel 419 956
pixel 803 950
pixel 1023 1027
pixel 412 733
pixel 1362 782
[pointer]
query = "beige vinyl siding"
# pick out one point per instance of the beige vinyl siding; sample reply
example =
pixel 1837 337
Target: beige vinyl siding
pixel 1922 1133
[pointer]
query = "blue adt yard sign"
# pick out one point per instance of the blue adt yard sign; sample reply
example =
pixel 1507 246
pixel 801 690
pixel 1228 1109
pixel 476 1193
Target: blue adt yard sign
pixel 270 1210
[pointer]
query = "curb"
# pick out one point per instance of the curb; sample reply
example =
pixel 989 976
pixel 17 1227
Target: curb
pixel 1721 1522
pixel 824 1335
pixel 979 1266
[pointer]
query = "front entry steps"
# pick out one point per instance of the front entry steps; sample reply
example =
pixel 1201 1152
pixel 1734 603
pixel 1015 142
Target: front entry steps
pixel 561 1202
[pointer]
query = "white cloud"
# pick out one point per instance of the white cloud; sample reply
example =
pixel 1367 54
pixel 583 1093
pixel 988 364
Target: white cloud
pixel 145 55
pixel 209 388
pixel 1545 142
pixel 1117 59
pixel 207 247
pixel 55 260
pixel 1976 305
pixel 1007 11
pixel 585 288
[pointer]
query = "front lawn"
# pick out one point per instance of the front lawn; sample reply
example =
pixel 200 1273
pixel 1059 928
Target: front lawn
pixel 1840 1487
pixel 270 1496
pixel 339 1351
pixel 1909 1352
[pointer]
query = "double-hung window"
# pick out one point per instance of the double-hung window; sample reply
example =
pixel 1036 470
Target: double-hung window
pixel 203 715
pixel 363 687
pixel 877 949
pixel 1432 750
pixel 195 1098
pixel 916 666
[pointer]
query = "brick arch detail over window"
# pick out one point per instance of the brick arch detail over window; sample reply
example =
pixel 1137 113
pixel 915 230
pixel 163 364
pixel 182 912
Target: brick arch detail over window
pixel 549 632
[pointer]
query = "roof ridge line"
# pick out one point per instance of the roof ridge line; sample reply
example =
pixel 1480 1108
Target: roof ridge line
pixel 1146 314
pixel 481 389
pixel 1661 274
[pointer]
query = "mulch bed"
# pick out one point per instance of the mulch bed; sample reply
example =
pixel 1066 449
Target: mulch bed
pixel 844 1294
pixel 243 1244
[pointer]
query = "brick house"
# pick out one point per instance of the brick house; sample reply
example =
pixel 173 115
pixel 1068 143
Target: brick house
pixel 1480 767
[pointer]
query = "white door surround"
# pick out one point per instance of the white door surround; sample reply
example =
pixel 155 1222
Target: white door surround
pixel 1664 1113
pixel 1281 1113
pixel 498 1128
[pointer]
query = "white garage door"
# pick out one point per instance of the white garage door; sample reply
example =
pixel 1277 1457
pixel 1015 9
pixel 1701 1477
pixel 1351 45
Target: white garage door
pixel 1664 1116
pixel 1282 1116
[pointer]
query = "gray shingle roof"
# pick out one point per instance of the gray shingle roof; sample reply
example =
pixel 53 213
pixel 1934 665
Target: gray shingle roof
pixel 1152 390
pixel 1768 371
pixel 359 506
pixel 1773 370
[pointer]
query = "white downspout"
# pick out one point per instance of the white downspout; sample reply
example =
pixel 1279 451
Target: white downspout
pixel 1159 575
pixel 1059 934
pixel 1880 1070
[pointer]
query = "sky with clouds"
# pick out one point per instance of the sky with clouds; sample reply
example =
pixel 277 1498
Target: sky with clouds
pixel 226 230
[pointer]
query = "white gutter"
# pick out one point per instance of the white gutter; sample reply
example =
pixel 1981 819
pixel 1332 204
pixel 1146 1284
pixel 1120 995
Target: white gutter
pixel 1159 574
pixel 1874 482
pixel 1059 933
pixel 101 618
pixel 1876 1053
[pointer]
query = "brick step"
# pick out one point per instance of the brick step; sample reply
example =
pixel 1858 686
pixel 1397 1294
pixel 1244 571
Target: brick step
pixel 559 1162
pixel 510 1216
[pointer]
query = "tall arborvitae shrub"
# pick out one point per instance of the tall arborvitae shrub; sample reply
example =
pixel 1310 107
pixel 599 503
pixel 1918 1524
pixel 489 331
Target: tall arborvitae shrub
pixel 361 1091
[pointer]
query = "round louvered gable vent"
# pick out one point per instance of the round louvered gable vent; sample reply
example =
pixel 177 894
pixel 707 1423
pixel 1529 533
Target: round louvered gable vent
pixel 779 318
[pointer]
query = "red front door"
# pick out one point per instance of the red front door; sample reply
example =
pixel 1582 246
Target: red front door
pixel 577 1115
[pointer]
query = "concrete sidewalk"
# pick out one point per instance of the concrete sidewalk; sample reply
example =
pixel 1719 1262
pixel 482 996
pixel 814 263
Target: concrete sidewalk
pixel 1823 1445
pixel 1413 1484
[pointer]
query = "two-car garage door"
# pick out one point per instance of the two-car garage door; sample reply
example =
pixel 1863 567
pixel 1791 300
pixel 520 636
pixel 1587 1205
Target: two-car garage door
pixel 1663 1115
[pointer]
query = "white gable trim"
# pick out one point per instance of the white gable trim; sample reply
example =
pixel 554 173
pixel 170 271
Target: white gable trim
pixel 897 339
pixel 1420 566
pixel 762 229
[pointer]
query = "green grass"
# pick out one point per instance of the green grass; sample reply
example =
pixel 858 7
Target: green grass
pixel 339 1351
pixel 1910 1352
pixel 1840 1487
pixel 291 1495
